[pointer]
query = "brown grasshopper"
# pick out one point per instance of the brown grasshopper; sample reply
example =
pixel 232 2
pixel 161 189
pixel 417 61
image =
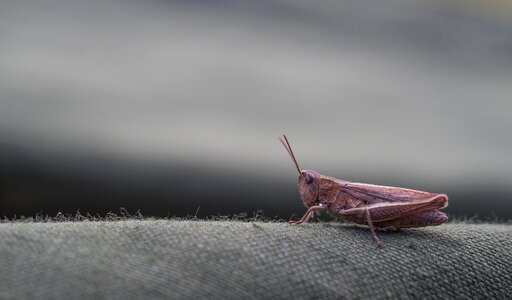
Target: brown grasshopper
pixel 379 207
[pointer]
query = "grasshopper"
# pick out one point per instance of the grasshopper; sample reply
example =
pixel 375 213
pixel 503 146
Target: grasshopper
pixel 379 207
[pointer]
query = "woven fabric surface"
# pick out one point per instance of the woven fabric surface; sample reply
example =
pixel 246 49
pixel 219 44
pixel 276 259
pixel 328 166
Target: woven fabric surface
pixel 251 260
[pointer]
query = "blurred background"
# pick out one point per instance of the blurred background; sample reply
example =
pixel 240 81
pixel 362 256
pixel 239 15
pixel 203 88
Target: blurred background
pixel 173 108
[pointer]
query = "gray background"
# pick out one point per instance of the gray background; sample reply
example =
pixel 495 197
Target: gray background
pixel 168 106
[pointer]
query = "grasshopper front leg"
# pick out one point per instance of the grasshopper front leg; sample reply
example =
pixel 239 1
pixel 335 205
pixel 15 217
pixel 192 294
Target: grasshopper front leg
pixel 310 213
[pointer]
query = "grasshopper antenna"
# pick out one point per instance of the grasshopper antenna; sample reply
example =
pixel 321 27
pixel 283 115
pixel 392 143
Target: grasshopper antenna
pixel 288 148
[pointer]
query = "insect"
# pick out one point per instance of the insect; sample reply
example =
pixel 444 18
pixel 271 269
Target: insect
pixel 379 207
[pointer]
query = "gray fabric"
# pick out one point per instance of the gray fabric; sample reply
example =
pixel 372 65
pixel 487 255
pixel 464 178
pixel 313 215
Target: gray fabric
pixel 239 260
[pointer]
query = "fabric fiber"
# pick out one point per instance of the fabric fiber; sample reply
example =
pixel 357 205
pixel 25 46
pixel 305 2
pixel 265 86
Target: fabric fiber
pixel 194 259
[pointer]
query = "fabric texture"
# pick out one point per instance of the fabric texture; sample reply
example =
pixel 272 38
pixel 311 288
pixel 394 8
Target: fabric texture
pixel 191 259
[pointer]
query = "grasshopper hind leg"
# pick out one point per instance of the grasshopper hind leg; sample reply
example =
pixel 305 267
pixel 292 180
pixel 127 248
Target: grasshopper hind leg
pixel 372 229
pixel 421 219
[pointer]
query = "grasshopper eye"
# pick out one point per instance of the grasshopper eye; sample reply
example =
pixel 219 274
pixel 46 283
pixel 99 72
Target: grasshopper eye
pixel 308 177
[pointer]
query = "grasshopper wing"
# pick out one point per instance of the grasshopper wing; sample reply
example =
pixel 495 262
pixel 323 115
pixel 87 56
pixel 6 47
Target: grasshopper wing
pixel 377 194
pixel 385 203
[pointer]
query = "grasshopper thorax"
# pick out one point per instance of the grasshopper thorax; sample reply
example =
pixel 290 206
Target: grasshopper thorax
pixel 309 187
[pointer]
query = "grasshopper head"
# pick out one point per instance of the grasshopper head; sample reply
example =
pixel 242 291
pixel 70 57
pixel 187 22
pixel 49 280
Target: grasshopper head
pixel 309 181
pixel 309 185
